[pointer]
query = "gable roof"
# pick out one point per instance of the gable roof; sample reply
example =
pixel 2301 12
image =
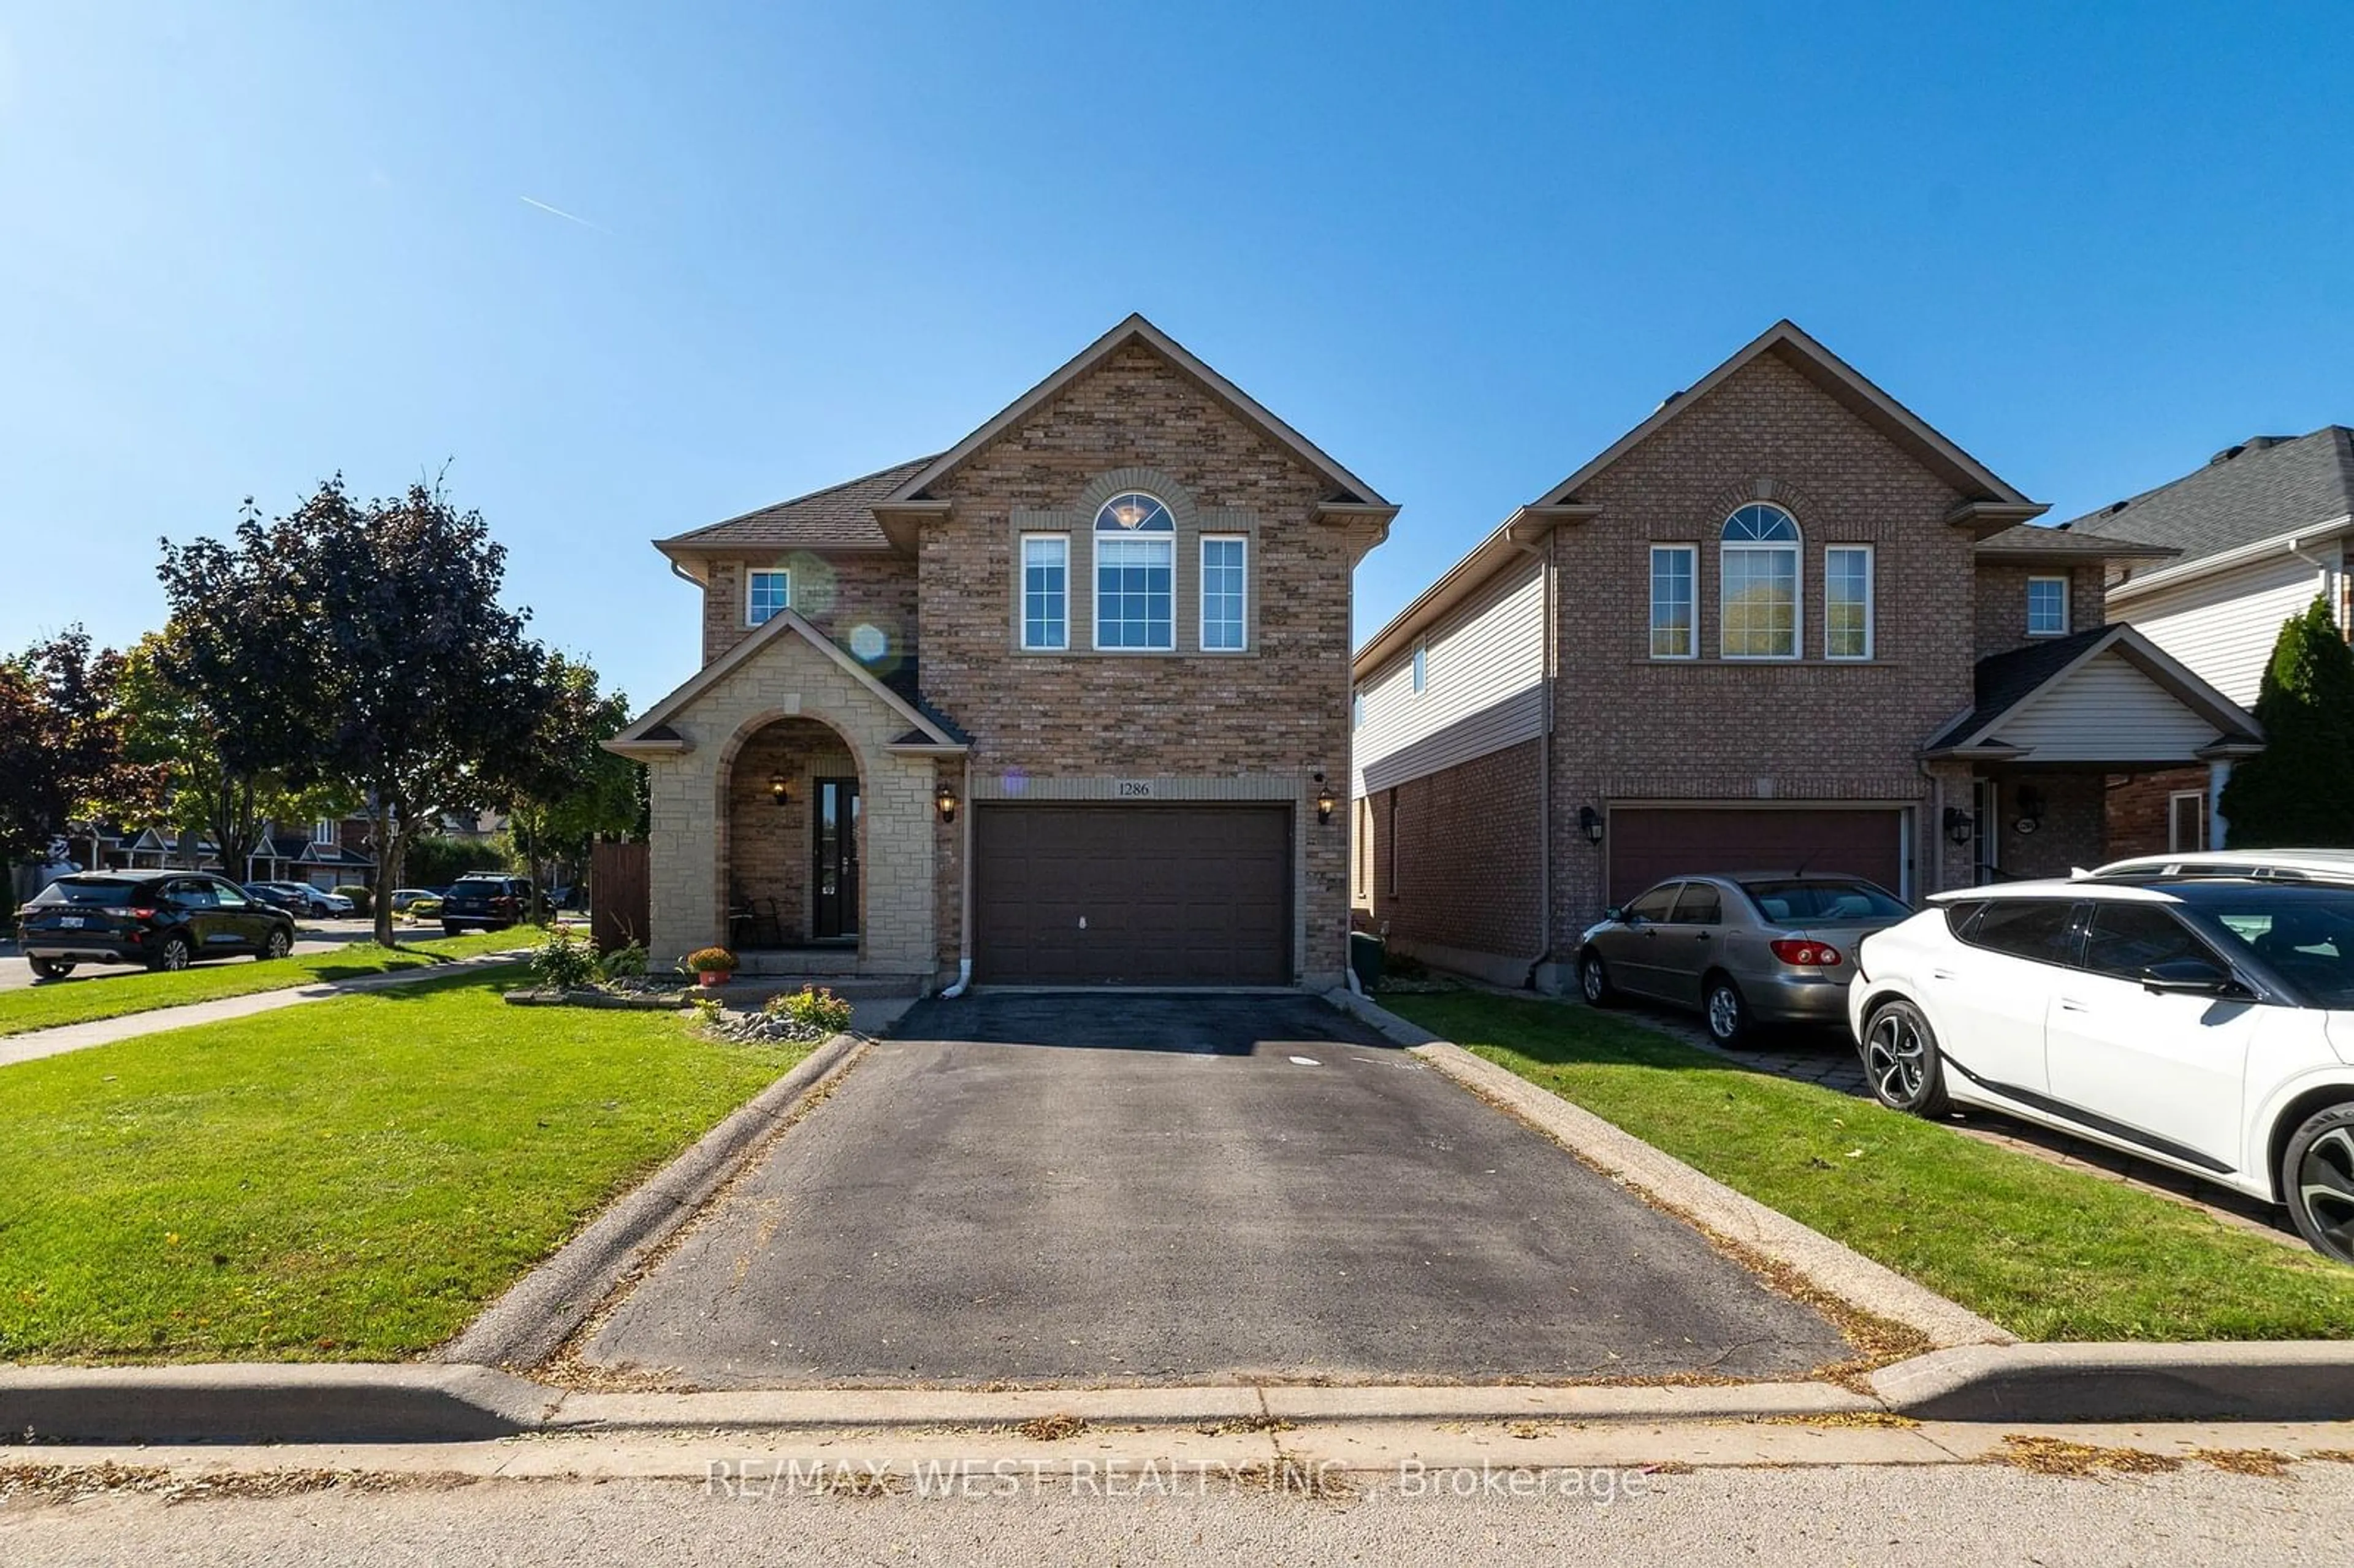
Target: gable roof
pixel 1346 486
pixel 2006 682
pixel 839 517
pixel 650 732
pixel 1847 386
pixel 2264 488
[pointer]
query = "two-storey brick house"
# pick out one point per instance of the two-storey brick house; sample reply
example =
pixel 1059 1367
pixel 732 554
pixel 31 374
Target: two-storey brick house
pixel 1065 703
pixel 1781 623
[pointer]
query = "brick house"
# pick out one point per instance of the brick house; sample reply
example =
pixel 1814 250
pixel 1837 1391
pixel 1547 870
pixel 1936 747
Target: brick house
pixel 1067 703
pixel 2255 534
pixel 1782 622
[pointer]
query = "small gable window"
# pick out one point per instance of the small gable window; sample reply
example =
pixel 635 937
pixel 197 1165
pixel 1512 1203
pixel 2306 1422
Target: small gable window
pixel 766 591
pixel 1758 590
pixel 2047 607
pixel 1136 569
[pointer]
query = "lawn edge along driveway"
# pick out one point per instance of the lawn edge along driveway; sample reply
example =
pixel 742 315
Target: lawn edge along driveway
pixel 351 1180
pixel 2045 1253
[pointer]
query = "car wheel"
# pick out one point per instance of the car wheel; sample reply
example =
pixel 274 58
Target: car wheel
pixel 2316 1180
pixel 279 944
pixel 1593 981
pixel 50 968
pixel 450 931
pixel 1901 1061
pixel 1727 1012
pixel 175 954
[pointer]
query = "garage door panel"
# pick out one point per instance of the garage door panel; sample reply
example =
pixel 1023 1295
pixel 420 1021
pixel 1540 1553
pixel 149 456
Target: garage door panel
pixel 1132 895
pixel 1649 844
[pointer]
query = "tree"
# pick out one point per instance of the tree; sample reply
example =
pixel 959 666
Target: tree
pixel 62 760
pixel 2299 790
pixel 571 791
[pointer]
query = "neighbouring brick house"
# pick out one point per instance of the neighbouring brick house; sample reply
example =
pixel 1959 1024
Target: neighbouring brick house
pixel 2255 535
pixel 1065 703
pixel 1782 622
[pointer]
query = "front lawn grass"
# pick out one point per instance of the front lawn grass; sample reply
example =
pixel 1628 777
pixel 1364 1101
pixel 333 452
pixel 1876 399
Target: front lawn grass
pixel 2049 1253
pixel 347 1179
pixel 114 993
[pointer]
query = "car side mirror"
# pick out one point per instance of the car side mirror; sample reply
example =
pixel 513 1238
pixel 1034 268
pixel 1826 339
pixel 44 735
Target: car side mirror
pixel 1615 913
pixel 2189 977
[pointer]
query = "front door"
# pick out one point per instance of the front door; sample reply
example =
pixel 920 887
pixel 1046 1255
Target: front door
pixel 834 903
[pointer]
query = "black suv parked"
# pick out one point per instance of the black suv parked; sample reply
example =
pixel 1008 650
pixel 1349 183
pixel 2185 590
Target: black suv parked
pixel 487 901
pixel 164 919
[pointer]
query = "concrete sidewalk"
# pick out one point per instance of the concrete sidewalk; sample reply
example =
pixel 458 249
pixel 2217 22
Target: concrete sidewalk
pixel 40 1042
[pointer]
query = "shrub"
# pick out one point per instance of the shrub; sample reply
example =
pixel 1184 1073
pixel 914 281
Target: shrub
pixel 2299 790
pixel 438 861
pixel 563 962
pixel 711 961
pixel 812 1008
pixel 625 963
pixel 362 900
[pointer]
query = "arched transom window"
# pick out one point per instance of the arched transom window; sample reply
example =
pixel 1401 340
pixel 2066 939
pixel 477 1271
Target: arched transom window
pixel 1136 568
pixel 1758 601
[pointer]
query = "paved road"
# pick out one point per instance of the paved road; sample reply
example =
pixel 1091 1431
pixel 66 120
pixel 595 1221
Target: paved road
pixel 1955 1517
pixel 315 936
pixel 1141 1188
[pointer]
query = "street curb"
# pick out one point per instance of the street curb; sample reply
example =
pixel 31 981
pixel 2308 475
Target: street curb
pixel 270 1403
pixel 2281 1379
pixel 539 1311
pixel 1829 1266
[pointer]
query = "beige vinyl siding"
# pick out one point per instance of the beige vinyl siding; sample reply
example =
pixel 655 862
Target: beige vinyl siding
pixel 1484 689
pixel 2107 711
pixel 2224 627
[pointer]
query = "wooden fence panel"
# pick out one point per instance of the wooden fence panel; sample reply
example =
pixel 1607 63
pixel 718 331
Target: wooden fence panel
pixel 621 901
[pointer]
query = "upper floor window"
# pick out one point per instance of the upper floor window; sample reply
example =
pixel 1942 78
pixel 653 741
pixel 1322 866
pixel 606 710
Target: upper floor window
pixel 1758 568
pixel 1674 631
pixel 1045 591
pixel 323 831
pixel 2047 607
pixel 766 591
pixel 1135 568
pixel 1421 667
pixel 1847 602
pixel 1223 572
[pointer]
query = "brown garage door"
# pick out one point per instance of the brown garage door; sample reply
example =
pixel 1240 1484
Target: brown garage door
pixel 1648 845
pixel 1132 895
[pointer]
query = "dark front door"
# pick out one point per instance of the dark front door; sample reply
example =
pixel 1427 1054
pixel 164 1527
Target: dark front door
pixel 833 905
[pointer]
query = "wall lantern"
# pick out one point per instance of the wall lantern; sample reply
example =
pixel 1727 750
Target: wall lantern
pixel 1590 823
pixel 1324 801
pixel 1957 824
pixel 2031 809
pixel 947 802
pixel 781 788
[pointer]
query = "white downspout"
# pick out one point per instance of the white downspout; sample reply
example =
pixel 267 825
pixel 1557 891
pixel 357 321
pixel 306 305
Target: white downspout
pixel 964 896
pixel 1548 667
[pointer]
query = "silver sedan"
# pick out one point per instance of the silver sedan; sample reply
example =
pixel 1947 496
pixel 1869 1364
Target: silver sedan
pixel 1743 950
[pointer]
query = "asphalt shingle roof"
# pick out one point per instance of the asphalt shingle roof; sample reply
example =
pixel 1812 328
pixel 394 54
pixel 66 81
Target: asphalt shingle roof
pixel 2002 681
pixel 2030 538
pixel 2269 486
pixel 837 518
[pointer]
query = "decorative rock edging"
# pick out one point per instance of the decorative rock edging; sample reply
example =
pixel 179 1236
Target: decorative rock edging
pixel 658 1002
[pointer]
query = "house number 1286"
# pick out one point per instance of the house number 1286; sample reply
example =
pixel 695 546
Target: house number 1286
pixel 1136 788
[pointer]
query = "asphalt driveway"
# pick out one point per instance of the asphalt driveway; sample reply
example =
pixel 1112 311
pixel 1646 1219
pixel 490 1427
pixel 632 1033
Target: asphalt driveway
pixel 1097 1188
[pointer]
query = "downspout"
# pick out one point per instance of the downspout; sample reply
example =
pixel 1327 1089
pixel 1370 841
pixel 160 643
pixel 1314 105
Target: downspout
pixel 964 896
pixel 1544 761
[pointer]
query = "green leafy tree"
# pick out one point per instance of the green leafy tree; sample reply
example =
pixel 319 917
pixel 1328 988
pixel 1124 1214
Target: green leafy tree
pixel 571 791
pixel 63 763
pixel 2299 790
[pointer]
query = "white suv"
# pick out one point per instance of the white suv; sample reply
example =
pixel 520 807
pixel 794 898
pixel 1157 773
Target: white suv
pixel 2203 1022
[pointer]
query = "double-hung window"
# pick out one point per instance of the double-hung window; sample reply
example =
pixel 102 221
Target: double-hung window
pixel 1758 598
pixel 1674 629
pixel 2047 607
pixel 1046 591
pixel 1847 602
pixel 766 591
pixel 1136 568
pixel 1224 575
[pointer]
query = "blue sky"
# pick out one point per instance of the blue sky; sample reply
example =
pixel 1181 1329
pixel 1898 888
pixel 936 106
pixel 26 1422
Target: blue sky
pixel 1462 246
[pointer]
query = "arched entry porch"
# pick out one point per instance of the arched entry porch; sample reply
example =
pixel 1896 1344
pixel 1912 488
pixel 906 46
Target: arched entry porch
pixel 792 849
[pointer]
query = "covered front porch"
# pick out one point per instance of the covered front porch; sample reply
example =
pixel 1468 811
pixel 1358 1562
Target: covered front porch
pixel 2027 773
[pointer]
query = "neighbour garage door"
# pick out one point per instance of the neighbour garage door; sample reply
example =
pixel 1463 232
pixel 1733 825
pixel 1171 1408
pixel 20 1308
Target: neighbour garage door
pixel 1132 895
pixel 1647 845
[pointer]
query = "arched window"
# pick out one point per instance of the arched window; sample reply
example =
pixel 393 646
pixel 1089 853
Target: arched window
pixel 1758 582
pixel 1136 568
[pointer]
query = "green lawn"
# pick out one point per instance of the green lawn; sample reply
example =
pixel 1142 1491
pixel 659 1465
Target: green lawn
pixel 347 1179
pixel 2049 1253
pixel 111 993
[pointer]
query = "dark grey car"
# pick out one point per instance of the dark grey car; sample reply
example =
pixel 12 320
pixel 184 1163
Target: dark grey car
pixel 1742 949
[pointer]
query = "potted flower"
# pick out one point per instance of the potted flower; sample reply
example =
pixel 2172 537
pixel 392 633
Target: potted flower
pixel 712 966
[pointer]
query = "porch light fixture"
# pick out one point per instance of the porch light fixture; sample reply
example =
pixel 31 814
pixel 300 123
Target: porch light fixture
pixel 1590 823
pixel 2031 810
pixel 781 788
pixel 1957 824
pixel 1324 801
pixel 947 802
